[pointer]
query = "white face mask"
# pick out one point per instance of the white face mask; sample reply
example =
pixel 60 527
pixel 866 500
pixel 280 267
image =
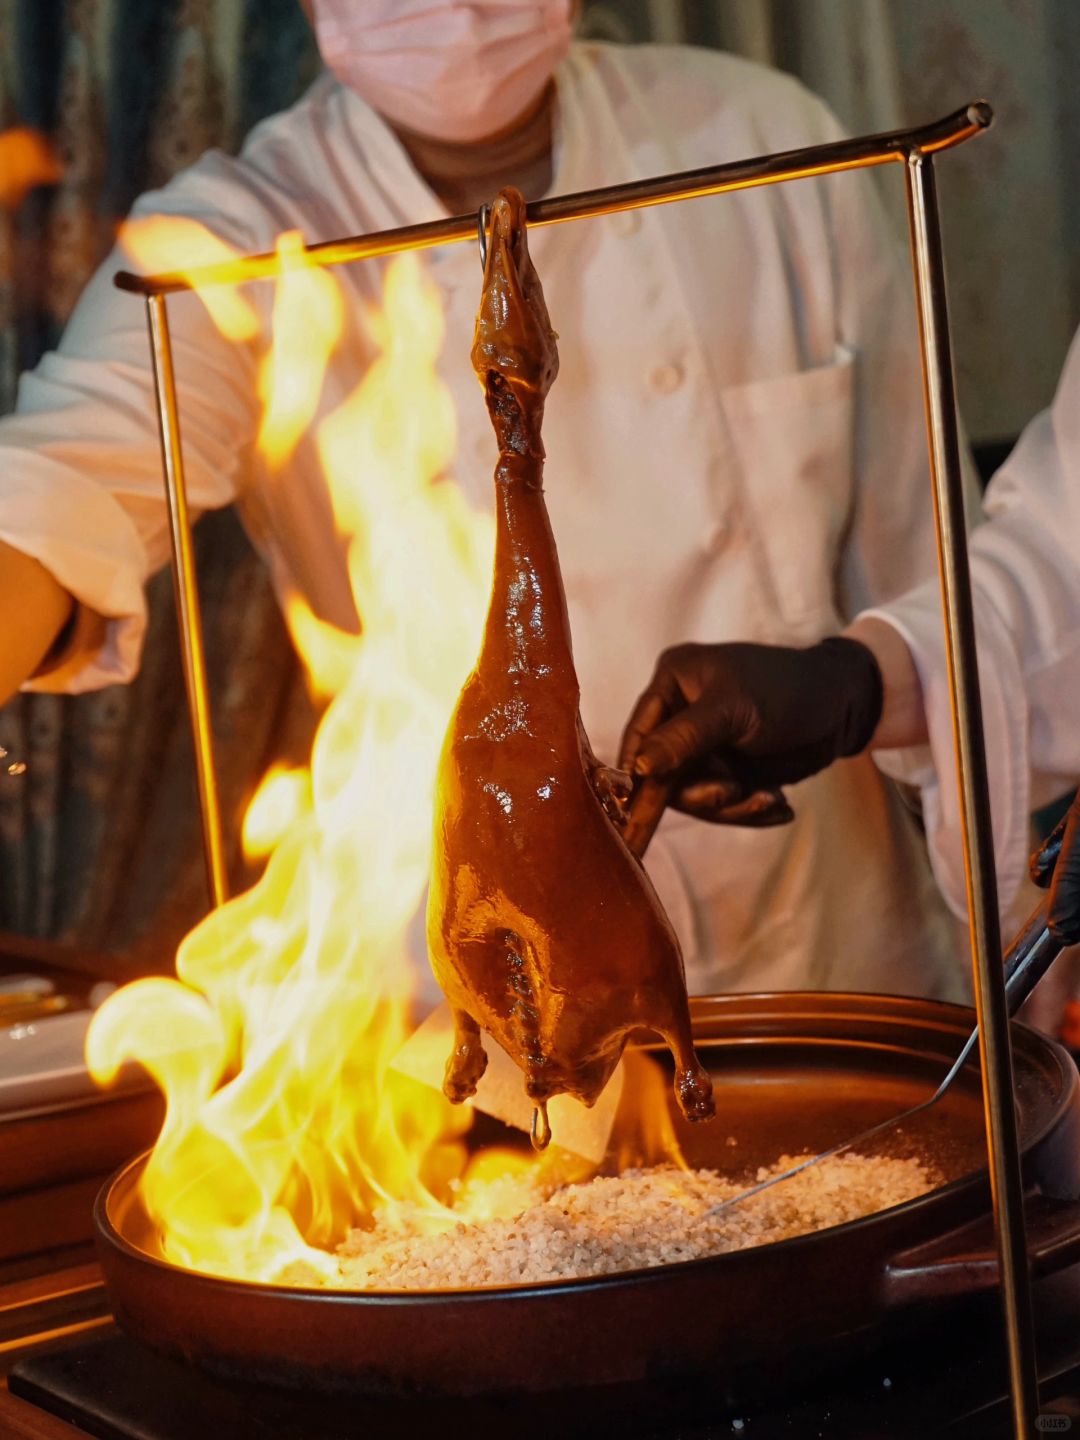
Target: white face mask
pixel 455 70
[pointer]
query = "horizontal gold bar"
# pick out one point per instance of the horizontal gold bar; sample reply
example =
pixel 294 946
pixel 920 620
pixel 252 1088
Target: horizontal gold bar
pixel 853 154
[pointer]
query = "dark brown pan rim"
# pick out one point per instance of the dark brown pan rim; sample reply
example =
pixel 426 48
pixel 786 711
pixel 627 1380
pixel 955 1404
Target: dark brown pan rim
pixel 111 1235
pixel 712 1016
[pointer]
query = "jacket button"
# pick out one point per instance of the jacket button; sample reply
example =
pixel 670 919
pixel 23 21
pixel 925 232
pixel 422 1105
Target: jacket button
pixel 666 379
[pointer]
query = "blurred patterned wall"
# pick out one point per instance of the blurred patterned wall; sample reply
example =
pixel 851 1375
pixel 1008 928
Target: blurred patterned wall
pixel 99 839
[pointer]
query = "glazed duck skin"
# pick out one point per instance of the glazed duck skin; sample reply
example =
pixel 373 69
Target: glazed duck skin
pixel 543 929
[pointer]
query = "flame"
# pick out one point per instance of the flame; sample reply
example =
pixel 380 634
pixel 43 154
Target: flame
pixel 328 654
pixel 308 320
pixel 176 244
pixel 284 1123
pixel 644 1130
pixel 27 159
pixel 282 799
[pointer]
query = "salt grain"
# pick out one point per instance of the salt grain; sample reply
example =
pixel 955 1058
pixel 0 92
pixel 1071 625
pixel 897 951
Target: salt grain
pixel 638 1219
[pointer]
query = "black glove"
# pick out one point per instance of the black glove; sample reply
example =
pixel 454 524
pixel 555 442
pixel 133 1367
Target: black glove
pixel 729 724
pixel 1057 865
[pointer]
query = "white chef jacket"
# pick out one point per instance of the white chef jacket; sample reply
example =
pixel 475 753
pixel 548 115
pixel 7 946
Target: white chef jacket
pixel 735 451
pixel 1025 574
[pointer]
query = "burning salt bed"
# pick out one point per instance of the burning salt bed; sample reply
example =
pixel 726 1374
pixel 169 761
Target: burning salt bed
pixel 639 1218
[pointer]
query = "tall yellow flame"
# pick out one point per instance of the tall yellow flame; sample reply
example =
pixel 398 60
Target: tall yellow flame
pixel 178 244
pixel 284 1123
pixel 308 320
pixel 283 798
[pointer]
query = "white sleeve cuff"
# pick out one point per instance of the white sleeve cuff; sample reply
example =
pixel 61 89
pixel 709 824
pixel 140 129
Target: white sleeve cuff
pixel 76 529
pixel 917 618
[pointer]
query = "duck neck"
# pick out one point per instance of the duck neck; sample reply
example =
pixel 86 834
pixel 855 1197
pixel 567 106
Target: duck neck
pixel 528 630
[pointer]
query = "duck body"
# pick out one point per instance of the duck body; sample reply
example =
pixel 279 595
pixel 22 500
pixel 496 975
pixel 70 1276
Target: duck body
pixel 544 930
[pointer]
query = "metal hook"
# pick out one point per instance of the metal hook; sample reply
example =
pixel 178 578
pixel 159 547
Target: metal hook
pixel 483 220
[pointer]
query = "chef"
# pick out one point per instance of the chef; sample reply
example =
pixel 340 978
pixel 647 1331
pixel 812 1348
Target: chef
pixel 735 445
pixel 734 721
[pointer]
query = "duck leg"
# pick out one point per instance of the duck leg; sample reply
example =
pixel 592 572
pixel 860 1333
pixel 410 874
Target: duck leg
pixel 693 1084
pixel 467 1061
pixel 611 787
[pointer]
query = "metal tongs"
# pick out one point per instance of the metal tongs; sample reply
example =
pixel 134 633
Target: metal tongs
pixel 1027 960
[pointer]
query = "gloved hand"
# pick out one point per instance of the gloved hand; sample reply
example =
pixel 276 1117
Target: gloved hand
pixel 727 725
pixel 1057 865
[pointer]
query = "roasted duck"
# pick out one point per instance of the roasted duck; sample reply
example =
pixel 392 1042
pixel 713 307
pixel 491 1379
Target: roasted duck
pixel 543 928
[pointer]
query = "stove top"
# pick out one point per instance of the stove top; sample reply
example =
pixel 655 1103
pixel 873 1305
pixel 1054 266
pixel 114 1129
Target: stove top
pixel 946 1378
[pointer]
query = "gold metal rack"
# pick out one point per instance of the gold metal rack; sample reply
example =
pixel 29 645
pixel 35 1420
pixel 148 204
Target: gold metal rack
pixel 915 151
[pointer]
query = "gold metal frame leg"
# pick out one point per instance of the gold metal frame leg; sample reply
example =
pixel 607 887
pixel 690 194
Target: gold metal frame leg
pixel 995 1050
pixel 187 597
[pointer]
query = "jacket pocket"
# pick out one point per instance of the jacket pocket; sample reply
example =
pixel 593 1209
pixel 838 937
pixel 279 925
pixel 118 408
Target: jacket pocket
pixel 794 436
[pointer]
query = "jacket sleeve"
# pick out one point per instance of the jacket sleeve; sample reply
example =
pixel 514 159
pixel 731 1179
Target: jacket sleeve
pixel 80 462
pixel 1026 583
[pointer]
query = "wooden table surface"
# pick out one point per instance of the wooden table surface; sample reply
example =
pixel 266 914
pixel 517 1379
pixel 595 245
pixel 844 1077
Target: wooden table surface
pixel 44 1302
pixel 19 1421
pixel 51 1166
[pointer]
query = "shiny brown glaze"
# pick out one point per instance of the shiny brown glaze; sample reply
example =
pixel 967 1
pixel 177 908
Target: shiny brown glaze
pixel 543 928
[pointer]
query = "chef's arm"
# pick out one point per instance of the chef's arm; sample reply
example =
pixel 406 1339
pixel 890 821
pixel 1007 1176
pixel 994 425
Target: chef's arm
pixel 902 723
pixel 36 609
pixel 727 723
pixel 724 724
pixel 80 457
pixel 786 712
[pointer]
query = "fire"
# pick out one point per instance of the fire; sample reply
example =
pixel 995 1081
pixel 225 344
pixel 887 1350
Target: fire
pixel 283 797
pixel 27 159
pixel 285 1124
pixel 178 244
pixel 308 320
